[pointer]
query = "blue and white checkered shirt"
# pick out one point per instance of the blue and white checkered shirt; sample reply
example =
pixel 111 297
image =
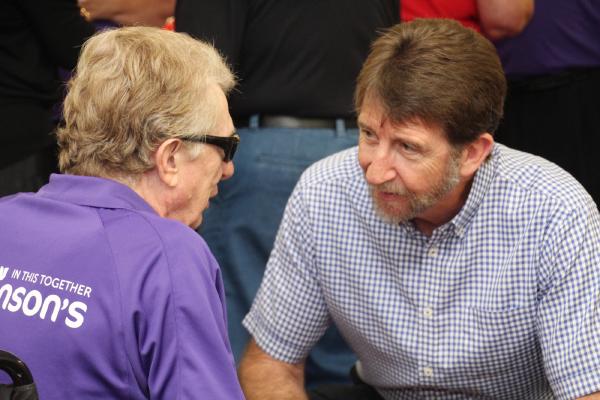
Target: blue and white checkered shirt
pixel 502 302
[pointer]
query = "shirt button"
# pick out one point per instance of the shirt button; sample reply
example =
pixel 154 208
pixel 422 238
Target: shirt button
pixel 433 251
pixel 428 372
pixel 427 312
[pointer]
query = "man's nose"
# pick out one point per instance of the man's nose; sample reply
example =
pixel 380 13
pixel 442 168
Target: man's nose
pixel 380 170
pixel 228 170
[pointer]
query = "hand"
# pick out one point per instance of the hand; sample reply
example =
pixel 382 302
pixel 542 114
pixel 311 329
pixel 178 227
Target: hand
pixel 100 9
pixel 129 12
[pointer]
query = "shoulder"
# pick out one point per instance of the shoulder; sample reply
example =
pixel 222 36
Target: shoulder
pixel 535 177
pixel 332 184
pixel 332 189
pixel 169 243
pixel 337 170
pixel 181 242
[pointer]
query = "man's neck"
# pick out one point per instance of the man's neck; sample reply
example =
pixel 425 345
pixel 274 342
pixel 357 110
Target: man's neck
pixel 147 188
pixel 444 210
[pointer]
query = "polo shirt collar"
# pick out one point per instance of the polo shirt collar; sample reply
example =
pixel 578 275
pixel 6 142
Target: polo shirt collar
pixel 93 192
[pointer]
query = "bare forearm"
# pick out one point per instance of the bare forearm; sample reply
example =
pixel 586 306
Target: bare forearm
pixel 153 14
pixel 263 378
pixel 504 18
pixel 594 396
pixel 130 12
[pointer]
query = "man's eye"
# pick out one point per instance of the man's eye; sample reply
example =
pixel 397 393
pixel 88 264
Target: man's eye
pixel 367 134
pixel 408 147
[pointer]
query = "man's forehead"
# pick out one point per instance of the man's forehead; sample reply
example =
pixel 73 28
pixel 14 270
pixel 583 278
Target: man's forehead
pixel 416 129
pixel 372 113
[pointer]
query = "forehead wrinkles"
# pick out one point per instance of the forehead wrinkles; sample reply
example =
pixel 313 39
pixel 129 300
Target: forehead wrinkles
pixel 373 110
pixel 373 118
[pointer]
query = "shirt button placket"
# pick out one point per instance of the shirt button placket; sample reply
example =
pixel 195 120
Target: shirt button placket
pixel 428 312
pixel 433 251
pixel 427 372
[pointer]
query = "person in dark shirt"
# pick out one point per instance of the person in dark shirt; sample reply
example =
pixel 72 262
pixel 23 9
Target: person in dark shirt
pixel 297 62
pixel 36 37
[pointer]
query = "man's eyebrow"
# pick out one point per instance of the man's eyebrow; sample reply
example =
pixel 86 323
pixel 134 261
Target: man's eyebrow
pixel 363 125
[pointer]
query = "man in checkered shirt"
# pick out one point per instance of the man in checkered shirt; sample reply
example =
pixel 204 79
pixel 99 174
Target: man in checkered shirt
pixel 455 267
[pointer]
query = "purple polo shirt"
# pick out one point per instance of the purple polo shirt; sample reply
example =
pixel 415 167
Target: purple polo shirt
pixel 104 299
pixel 562 34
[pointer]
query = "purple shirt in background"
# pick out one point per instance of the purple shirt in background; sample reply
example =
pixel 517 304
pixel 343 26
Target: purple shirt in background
pixel 562 34
pixel 104 299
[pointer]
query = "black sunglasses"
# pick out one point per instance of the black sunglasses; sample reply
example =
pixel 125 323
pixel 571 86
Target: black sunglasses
pixel 226 143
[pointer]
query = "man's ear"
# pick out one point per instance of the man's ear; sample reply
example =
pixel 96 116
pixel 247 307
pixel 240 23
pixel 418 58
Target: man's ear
pixel 475 153
pixel 167 160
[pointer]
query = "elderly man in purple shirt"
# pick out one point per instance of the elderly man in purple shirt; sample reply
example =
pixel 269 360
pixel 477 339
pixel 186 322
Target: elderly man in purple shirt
pixel 105 290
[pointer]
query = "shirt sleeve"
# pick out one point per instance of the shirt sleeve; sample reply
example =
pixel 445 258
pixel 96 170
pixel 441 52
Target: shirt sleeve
pixel 568 314
pixel 289 314
pixel 174 316
pixel 219 22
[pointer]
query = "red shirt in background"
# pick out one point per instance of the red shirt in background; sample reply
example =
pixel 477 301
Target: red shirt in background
pixel 464 11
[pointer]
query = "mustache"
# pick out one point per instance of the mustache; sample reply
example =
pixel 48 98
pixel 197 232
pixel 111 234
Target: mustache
pixel 390 187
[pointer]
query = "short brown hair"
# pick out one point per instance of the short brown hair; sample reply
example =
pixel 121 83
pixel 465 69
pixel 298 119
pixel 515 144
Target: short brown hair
pixel 437 72
pixel 134 88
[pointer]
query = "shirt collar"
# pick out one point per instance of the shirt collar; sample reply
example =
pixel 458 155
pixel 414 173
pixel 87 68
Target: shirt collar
pixel 481 183
pixel 93 192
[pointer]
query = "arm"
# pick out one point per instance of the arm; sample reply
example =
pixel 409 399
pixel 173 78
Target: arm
pixel 569 290
pixel 131 12
pixel 289 313
pixel 173 314
pixel 504 18
pixel 594 396
pixel 264 378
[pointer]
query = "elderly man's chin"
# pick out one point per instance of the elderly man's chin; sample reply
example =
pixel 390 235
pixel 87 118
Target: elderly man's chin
pixel 195 224
pixel 200 216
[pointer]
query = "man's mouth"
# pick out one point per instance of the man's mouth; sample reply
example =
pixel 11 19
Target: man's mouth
pixel 389 196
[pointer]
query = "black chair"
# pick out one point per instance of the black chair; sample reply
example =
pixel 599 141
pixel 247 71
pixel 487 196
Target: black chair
pixel 22 387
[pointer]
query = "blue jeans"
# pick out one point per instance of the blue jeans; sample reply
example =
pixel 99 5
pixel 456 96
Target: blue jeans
pixel 241 223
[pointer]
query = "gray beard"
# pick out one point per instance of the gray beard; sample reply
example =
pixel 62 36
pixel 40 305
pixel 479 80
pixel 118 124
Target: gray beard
pixel 417 203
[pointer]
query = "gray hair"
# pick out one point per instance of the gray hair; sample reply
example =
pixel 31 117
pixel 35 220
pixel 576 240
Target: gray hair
pixel 133 88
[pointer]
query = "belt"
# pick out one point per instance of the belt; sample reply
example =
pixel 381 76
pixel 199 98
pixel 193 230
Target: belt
pixel 288 121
